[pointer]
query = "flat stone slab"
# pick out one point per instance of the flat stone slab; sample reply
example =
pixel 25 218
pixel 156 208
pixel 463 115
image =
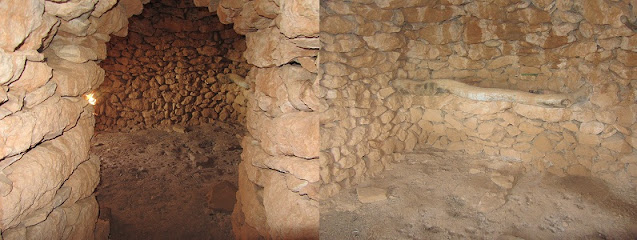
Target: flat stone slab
pixel 371 194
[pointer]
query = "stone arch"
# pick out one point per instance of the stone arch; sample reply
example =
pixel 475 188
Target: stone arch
pixel 49 52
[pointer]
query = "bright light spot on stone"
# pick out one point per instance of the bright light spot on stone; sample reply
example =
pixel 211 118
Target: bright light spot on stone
pixel 91 99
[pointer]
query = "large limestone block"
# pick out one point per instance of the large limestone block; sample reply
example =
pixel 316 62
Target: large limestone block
pixel 113 21
pixel 35 75
pixel 18 19
pixel 249 21
pixel 268 48
pixel 77 49
pixel 81 218
pixel 289 215
pixel 41 172
pixel 52 228
pixel 291 134
pixel 267 8
pixel 22 130
pixel 11 66
pixel 70 9
pixel 42 35
pixel 103 6
pixel 270 92
pixel 83 180
pixel 299 167
pixel 228 9
pixel 74 79
pixel 298 83
pixel 249 212
pixel 299 18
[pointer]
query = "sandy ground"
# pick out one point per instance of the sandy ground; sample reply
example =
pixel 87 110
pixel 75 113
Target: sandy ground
pixel 157 183
pixel 447 195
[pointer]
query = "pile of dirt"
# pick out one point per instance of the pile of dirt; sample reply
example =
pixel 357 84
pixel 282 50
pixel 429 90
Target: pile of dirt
pixel 450 195
pixel 160 184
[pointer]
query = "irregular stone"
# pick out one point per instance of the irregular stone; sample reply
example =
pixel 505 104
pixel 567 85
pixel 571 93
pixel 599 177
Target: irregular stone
pixel 600 12
pixel 66 75
pixel 288 214
pixel 292 134
pixel 39 95
pixel 52 161
pixel 18 21
pixel 11 66
pixel 385 41
pixel 505 182
pixel 591 127
pixel 70 9
pixel 268 48
pixel 299 18
pixel 83 180
pixel 429 14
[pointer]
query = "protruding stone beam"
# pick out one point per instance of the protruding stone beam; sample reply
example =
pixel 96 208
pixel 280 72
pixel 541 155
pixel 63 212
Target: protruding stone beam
pixel 433 87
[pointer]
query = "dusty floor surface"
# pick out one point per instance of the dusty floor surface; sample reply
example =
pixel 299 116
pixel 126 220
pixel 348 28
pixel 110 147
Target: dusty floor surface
pixel 157 183
pixel 445 195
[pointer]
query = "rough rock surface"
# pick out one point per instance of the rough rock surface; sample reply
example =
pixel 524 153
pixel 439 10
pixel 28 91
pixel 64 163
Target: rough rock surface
pixel 536 46
pixel 172 69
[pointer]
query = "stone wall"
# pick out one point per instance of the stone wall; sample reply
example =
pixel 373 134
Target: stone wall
pixel 361 130
pixel 542 46
pixel 278 175
pixel 49 52
pixel 171 69
pixel 538 46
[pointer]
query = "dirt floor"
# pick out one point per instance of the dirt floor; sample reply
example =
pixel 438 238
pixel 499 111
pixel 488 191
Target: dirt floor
pixel 159 184
pixel 447 195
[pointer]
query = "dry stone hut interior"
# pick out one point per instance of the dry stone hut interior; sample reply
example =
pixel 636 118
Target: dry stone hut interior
pixel 217 119
pixel 155 103
pixel 484 119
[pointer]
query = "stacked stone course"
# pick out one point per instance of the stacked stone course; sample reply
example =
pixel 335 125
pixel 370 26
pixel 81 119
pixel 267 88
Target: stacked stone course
pixel 48 61
pixel 171 70
pixel 540 46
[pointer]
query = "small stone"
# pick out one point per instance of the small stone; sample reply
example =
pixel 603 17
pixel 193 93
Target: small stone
pixel 502 181
pixel 179 128
pixel 371 194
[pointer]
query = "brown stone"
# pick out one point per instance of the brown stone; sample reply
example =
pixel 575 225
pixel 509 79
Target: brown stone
pixel 385 41
pixel 429 14
pixel 337 25
pixel 299 18
pixel 269 47
pixel 600 12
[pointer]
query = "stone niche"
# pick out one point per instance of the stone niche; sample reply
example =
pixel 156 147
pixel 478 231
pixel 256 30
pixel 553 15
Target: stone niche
pixel 534 47
pixel 172 69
